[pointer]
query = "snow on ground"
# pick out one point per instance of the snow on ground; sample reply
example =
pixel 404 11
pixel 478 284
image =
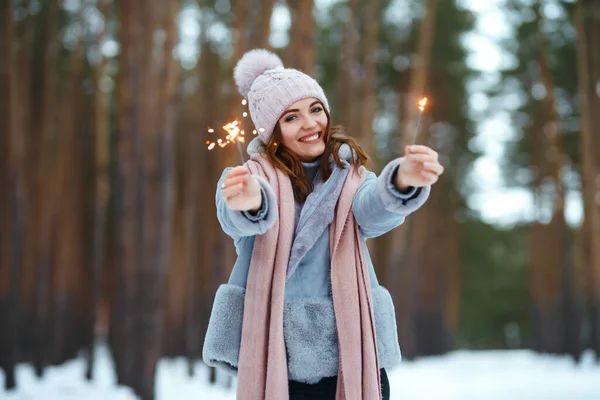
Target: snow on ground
pixel 458 375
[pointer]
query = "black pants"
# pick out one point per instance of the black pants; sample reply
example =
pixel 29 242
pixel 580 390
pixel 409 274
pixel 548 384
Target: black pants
pixel 325 389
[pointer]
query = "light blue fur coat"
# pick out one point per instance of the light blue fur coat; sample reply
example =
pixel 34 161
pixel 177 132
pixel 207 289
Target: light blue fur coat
pixel 309 321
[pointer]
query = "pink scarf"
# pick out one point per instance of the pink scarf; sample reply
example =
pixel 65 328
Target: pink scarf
pixel 262 369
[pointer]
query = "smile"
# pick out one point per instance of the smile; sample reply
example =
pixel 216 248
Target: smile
pixel 311 137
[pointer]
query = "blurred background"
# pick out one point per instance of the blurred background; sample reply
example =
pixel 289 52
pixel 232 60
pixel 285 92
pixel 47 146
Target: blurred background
pixel 110 251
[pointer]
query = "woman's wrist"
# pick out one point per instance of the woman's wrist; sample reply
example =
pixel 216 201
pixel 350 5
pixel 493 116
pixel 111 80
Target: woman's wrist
pixel 400 185
pixel 255 210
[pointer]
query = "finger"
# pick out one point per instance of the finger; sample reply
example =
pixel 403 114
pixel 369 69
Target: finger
pixel 420 149
pixel 433 167
pixel 230 191
pixel 430 177
pixel 237 171
pixel 421 157
pixel 230 198
pixel 243 179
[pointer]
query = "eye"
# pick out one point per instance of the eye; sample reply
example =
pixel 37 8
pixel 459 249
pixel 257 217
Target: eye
pixel 290 118
pixel 316 110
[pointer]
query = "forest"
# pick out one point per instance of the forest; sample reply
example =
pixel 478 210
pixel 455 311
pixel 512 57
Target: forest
pixel 111 114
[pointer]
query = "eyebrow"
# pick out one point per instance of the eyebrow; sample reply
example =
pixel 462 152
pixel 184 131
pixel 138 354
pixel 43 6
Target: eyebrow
pixel 296 110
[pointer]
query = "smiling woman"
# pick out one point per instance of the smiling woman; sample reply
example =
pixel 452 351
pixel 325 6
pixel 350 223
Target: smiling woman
pixel 302 126
pixel 303 287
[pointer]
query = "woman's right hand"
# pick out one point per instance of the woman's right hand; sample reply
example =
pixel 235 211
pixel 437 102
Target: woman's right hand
pixel 241 190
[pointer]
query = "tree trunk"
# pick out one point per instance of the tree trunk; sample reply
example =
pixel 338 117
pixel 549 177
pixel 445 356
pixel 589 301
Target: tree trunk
pixel 211 268
pixel 195 155
pixel 262 27
pixel 420 71
pixel 301 49
pixel 14 82
pixel 404 263
pixel 595 49
pixel 549 300
pixel 6 354
pixel 169 74
pixel 589 142
pixel 369 84
pixel 45 207
pixel 101 187
pixel 347 81
pixel 70 288
pixel 127 138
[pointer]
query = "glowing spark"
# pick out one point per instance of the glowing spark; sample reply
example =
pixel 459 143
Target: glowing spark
pixel 234 135
pixel 245 114
pixel 210 130
pixel 244 102
pixel 211 146
pixel 233 130
pixel 254 132
pixel 422 103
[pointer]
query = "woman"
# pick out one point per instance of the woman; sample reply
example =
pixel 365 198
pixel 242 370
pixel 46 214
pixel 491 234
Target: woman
pixel 303 315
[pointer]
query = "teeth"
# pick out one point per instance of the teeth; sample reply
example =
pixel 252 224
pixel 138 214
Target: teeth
pixel 309 138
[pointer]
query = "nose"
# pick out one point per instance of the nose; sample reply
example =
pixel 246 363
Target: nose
pixel 310 123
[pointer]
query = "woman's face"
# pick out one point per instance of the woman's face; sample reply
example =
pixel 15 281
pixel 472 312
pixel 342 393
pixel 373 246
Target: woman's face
pixel 303 126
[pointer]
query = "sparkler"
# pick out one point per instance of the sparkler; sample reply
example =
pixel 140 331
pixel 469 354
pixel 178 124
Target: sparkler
pixel 421 104
pixel 235 134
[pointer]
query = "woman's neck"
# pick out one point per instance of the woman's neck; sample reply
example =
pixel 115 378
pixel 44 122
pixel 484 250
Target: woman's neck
pixel 311 169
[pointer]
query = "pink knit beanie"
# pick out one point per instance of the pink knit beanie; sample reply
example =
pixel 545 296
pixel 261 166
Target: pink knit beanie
pixel 271 89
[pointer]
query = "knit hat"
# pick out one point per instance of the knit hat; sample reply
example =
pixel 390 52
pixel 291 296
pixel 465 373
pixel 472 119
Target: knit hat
pixel 271 89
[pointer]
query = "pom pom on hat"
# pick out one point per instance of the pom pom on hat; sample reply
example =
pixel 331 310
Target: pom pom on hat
pixel 253 64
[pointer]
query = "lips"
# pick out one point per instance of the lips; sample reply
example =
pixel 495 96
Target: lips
pixel 310 137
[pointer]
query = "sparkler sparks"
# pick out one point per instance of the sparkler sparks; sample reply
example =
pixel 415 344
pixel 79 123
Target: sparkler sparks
pixel 421 105
pixel 234 134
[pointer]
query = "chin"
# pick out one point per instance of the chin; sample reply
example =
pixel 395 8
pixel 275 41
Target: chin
pixel 310 156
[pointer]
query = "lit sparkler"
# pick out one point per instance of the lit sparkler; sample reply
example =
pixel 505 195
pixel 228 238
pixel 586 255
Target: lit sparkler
pixel 234 134
pixel 421 104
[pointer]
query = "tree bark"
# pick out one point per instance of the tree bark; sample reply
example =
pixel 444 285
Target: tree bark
pixel 347 81
pixel 369 84
pixel 127 138
pixel 101 185
pixel 14 81
pixel 301 49
pixel 549 300
pixel 589 139
pixel 69 286
pixel 46 192
pixel 212 269
pixel 420 71
pixel 404 262
pixel 262 27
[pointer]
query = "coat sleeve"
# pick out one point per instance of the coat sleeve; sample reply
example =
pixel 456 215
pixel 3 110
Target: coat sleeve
pixel 238 224
pixel 379 207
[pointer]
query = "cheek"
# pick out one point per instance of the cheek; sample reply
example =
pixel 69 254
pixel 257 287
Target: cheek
pixel 323 120
pixel 288 134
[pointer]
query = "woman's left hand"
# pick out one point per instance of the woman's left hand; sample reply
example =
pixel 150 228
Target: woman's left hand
pixel 420 167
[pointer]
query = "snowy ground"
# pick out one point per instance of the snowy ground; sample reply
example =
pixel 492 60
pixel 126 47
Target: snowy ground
pixel 459 375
